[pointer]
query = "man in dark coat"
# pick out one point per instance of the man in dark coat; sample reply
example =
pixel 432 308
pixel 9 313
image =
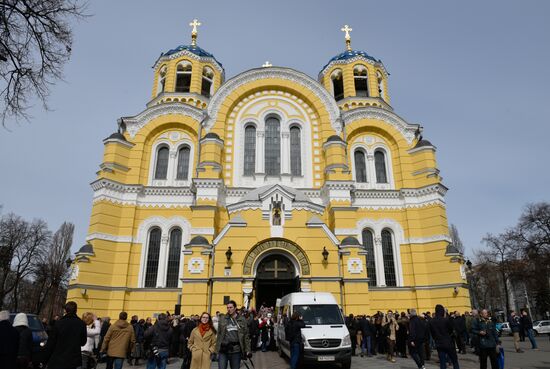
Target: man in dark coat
pixel 485 329
pixel 417 337
pixel 366 329
pixel 161 335
pixel 459 327
pixel 441 330
pixel 9 337
pixel 68 336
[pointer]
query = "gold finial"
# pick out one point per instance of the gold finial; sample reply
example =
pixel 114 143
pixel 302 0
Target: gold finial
pixel 267 64
pixel 194 31
pixel 347 30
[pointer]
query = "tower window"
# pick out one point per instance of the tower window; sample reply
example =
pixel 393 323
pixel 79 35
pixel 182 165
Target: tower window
pixel 174 254
pixel 380 80
pixel 380 166
pixel 249 150
pixel 337 84
pixel 387 256
pixel 183 163
pixel 360 166
pixel 162 80
pixel 183 76
pixel 272 146
pixel 360 78
pixel 161 168
pixel 368 244
pixel 153 253
pixel 295 152
pixel 207 81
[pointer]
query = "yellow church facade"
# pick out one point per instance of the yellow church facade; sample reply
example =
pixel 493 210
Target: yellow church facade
pixel 267 183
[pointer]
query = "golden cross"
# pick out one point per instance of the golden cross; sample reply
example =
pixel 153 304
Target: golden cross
pixel 267 64
pixel 194 31
pixel 347 30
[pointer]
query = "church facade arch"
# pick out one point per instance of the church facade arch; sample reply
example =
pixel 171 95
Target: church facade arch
pixel 273 246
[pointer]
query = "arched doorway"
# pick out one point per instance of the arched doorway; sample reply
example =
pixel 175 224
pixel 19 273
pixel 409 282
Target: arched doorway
pixel 275 277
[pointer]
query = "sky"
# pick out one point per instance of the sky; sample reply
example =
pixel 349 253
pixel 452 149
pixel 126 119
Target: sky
pixel 474 74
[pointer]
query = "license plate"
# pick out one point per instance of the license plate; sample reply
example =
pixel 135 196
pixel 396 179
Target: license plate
pixel 325 358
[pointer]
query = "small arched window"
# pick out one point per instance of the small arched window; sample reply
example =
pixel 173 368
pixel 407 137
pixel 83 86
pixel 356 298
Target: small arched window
pixel 387 256
pixel 295 151
pixel 368 244
pixel 249 150
pixel 272 146
pixel 360 166
pixel 360 78
pixel 207 81
pixel 380 80
pixel 380 166
pixel 153 252
pixel 183 163
pixel 183 76
pixel 337 84
pixel 162 80
pixel 161 167
pixel 174 255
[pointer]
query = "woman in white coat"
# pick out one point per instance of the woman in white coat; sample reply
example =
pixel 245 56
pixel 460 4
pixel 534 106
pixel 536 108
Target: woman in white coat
pixel 93 327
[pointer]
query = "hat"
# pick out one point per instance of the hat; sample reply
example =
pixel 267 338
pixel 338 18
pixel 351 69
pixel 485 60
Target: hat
pixel 4 315
pixel 21 320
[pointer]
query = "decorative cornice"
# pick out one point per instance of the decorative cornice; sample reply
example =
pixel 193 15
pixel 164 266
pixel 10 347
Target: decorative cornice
pixel 187 53
pixel 118 141
pixel 422 148
pixel 274 73
pixel 354 60
pixel 135 123
pixel 400 199
pixel 408 130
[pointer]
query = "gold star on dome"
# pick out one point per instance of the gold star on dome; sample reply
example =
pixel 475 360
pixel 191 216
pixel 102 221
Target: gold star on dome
pixel 195 23
pixel 347 30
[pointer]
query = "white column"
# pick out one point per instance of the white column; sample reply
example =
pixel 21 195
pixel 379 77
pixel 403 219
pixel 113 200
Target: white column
pixel 260 144
pixel 371 171
pixel 379 262
pixel 163 261
pixel 285 153
pixel 172 167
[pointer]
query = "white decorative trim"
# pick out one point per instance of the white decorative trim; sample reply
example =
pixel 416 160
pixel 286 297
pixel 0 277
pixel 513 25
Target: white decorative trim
pixel 119 141
pixel 408 130
pixel 327 230
pixel 430 239
pixel 273 73
pixel 203 231
pixel 109 237
pixel 173 148
pixel 400 199
pixel 422 148
pixel 354 60
pixel 189 54
pixel 135 123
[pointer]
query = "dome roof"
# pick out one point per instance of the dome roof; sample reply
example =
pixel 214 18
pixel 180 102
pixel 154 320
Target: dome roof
pixel 350 241
pixel 118 136
pixel 198 240
pixel 334 138
pixel 212 135
pixel 193 49
pixel 86 249
pixel 349 54
pixel 422 143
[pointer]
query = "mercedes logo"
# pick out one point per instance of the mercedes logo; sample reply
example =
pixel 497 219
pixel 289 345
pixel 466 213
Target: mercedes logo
pixel 325 343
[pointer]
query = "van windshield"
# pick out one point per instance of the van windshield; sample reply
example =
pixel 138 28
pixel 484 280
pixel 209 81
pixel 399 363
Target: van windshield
pixel 320 314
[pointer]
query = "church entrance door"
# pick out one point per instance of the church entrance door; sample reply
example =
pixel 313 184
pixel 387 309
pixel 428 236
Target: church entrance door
pixel 275 277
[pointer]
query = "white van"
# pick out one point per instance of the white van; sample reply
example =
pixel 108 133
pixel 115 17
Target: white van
pixel 325 336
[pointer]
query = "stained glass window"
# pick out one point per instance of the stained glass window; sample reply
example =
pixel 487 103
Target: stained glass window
pixel 183 163
pixel 387 256
pixel 153 252
pixel 368 244
pixel 272 146
pixel 295 152
pixel 249 150
pixel 174 255
pixel 360 167
pixel 380 165
pixel 161 170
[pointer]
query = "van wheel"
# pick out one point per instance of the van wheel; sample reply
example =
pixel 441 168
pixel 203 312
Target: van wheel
pixel 346 364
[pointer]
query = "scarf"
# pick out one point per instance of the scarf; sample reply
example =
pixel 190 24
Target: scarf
pixel 203 328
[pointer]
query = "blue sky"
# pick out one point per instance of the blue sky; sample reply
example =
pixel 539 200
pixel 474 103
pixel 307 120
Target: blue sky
pixel 474 74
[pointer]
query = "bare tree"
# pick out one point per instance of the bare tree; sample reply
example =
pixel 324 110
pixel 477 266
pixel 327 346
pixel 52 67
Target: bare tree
pixel 455 239
pixel 35 44
pixel 13 234
pixel 58 254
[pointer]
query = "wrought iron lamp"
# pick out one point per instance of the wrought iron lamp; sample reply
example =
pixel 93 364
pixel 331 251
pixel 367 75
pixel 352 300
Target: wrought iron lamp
pixel 228 253
pixel 325 254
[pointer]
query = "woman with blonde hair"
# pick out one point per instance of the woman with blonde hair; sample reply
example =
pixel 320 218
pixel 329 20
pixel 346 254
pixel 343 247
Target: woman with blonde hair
pixel 390 327
pixel 202 343
pixel 93 327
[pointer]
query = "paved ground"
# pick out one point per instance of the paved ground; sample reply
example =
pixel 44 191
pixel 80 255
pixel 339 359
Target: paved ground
pixel 528 360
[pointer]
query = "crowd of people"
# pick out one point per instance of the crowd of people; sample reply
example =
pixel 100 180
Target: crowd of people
pixel 231 337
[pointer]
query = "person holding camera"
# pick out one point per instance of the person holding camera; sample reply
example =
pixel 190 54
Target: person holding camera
pixel 202 343
pixel 233 339
pixel 160 334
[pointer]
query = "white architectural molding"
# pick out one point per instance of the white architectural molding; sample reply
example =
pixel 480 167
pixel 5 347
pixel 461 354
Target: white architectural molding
pixel 109 237
pixel 189 54
pixel 408 130
pixel 400 199
pixel 135 123
pixel 354 60
pixel 273 73
pixel 174 144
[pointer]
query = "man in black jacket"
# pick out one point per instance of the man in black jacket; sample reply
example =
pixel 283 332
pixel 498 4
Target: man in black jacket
pixel 417 337
pixel 441 330
pixel 366 329
pixel 160 334
pixel 68 335
pixel 9 337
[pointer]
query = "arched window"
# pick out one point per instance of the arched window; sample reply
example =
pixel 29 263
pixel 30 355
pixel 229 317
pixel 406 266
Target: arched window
pixel 249 150
pixel 387 256
pixel 183 76
pixel 337 84
pixel 153 251
pixel 295 151
pixel 183 163
pixel 174 255
pixel 161 168
pixel 361 80
pixel 272 146
pixel 162 80
pixel 380 166
pixel 360 166
pixel 207 81
pixel 368 244
pixel 380 80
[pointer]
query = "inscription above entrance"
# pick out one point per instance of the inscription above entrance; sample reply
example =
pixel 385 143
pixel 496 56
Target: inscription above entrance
pixel 275 244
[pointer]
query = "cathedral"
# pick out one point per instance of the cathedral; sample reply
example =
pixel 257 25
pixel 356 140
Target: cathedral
pixel 263 184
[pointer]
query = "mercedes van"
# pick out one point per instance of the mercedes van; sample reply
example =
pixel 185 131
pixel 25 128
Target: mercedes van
pixel 325 336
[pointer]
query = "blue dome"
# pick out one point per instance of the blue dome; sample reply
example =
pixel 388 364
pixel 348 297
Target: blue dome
pixel 194 49
pixel 348 54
